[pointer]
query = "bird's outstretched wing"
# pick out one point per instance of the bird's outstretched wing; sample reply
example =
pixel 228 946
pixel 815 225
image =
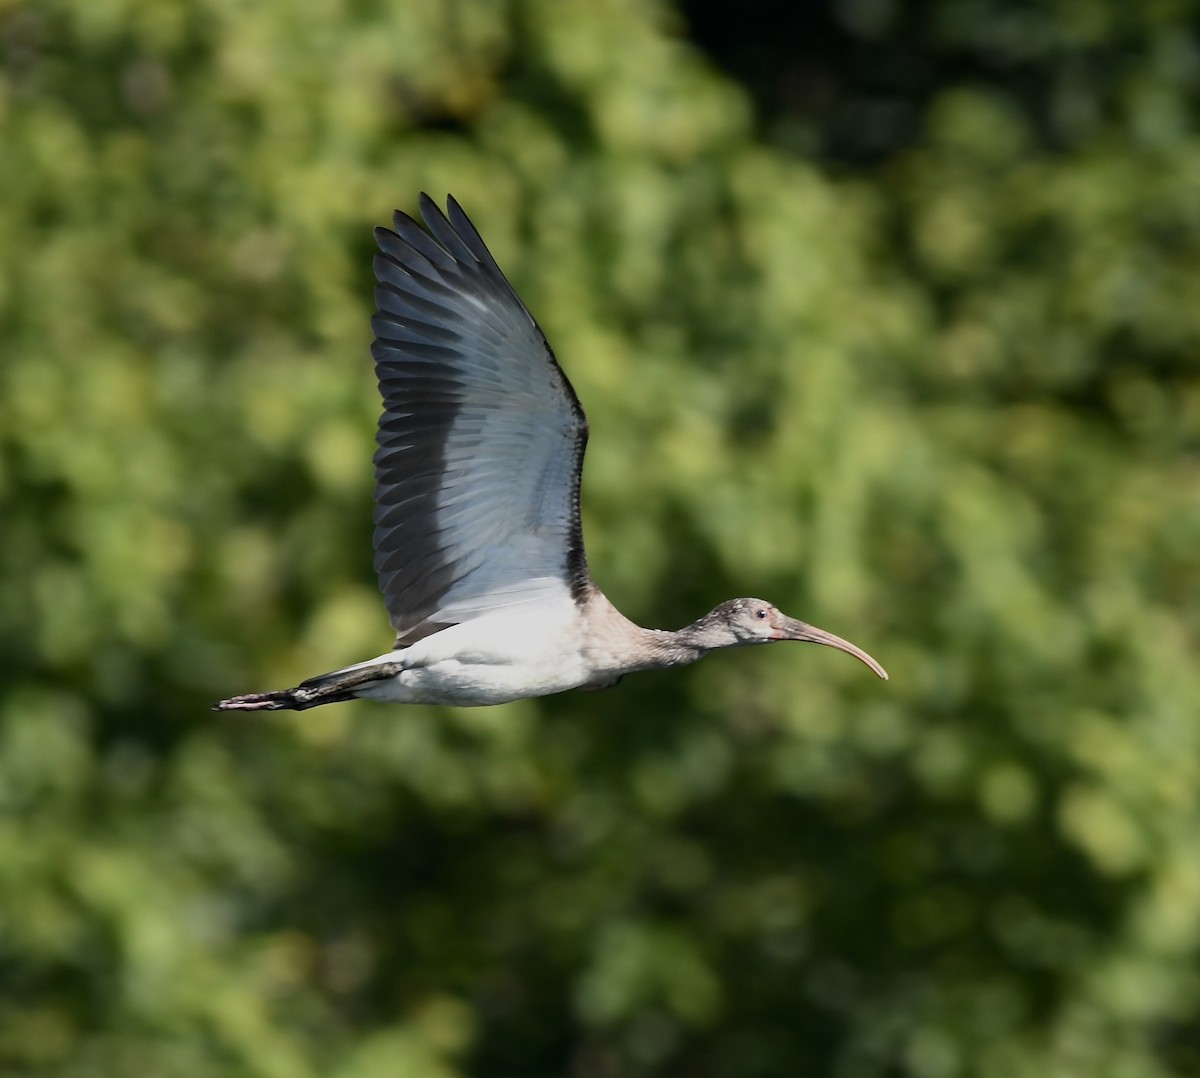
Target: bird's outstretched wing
pixel 481 440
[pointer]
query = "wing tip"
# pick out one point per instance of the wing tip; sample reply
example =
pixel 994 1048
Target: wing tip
pixel 430 210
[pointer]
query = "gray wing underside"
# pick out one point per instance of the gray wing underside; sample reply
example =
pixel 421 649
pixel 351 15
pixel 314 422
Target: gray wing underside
pixel 481 439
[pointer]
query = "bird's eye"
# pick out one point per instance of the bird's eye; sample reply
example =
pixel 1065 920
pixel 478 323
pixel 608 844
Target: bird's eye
pixel 760 613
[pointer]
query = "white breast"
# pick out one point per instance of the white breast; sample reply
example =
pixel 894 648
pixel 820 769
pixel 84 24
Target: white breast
pixel 530 649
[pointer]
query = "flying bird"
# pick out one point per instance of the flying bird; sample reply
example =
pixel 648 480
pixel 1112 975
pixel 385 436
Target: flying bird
pixel 478 540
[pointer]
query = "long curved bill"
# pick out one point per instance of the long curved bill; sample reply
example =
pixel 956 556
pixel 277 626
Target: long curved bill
pixel 791 629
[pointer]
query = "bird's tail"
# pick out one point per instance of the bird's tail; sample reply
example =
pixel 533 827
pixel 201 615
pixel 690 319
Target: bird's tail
pixel 329 688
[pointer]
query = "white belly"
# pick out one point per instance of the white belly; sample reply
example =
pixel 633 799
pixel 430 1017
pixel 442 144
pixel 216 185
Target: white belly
pixel 491 660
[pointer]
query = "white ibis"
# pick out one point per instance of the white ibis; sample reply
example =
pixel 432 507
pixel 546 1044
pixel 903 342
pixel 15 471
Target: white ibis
pixel 478 540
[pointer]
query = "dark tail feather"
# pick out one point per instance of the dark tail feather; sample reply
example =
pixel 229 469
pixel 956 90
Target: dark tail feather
pixel 322 689
pixel 297 699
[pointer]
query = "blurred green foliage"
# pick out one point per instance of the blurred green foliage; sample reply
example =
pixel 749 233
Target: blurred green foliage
pixel 944 401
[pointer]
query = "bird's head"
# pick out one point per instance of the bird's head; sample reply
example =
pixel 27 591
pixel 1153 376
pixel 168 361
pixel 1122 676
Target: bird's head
pixel 755 621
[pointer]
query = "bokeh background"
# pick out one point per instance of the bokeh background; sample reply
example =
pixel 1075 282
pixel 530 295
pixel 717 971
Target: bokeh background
pixel 889 312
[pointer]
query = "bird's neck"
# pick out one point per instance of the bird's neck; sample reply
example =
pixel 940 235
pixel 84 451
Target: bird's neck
pixel 703 635
pixel 619 645
pixel 665 648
